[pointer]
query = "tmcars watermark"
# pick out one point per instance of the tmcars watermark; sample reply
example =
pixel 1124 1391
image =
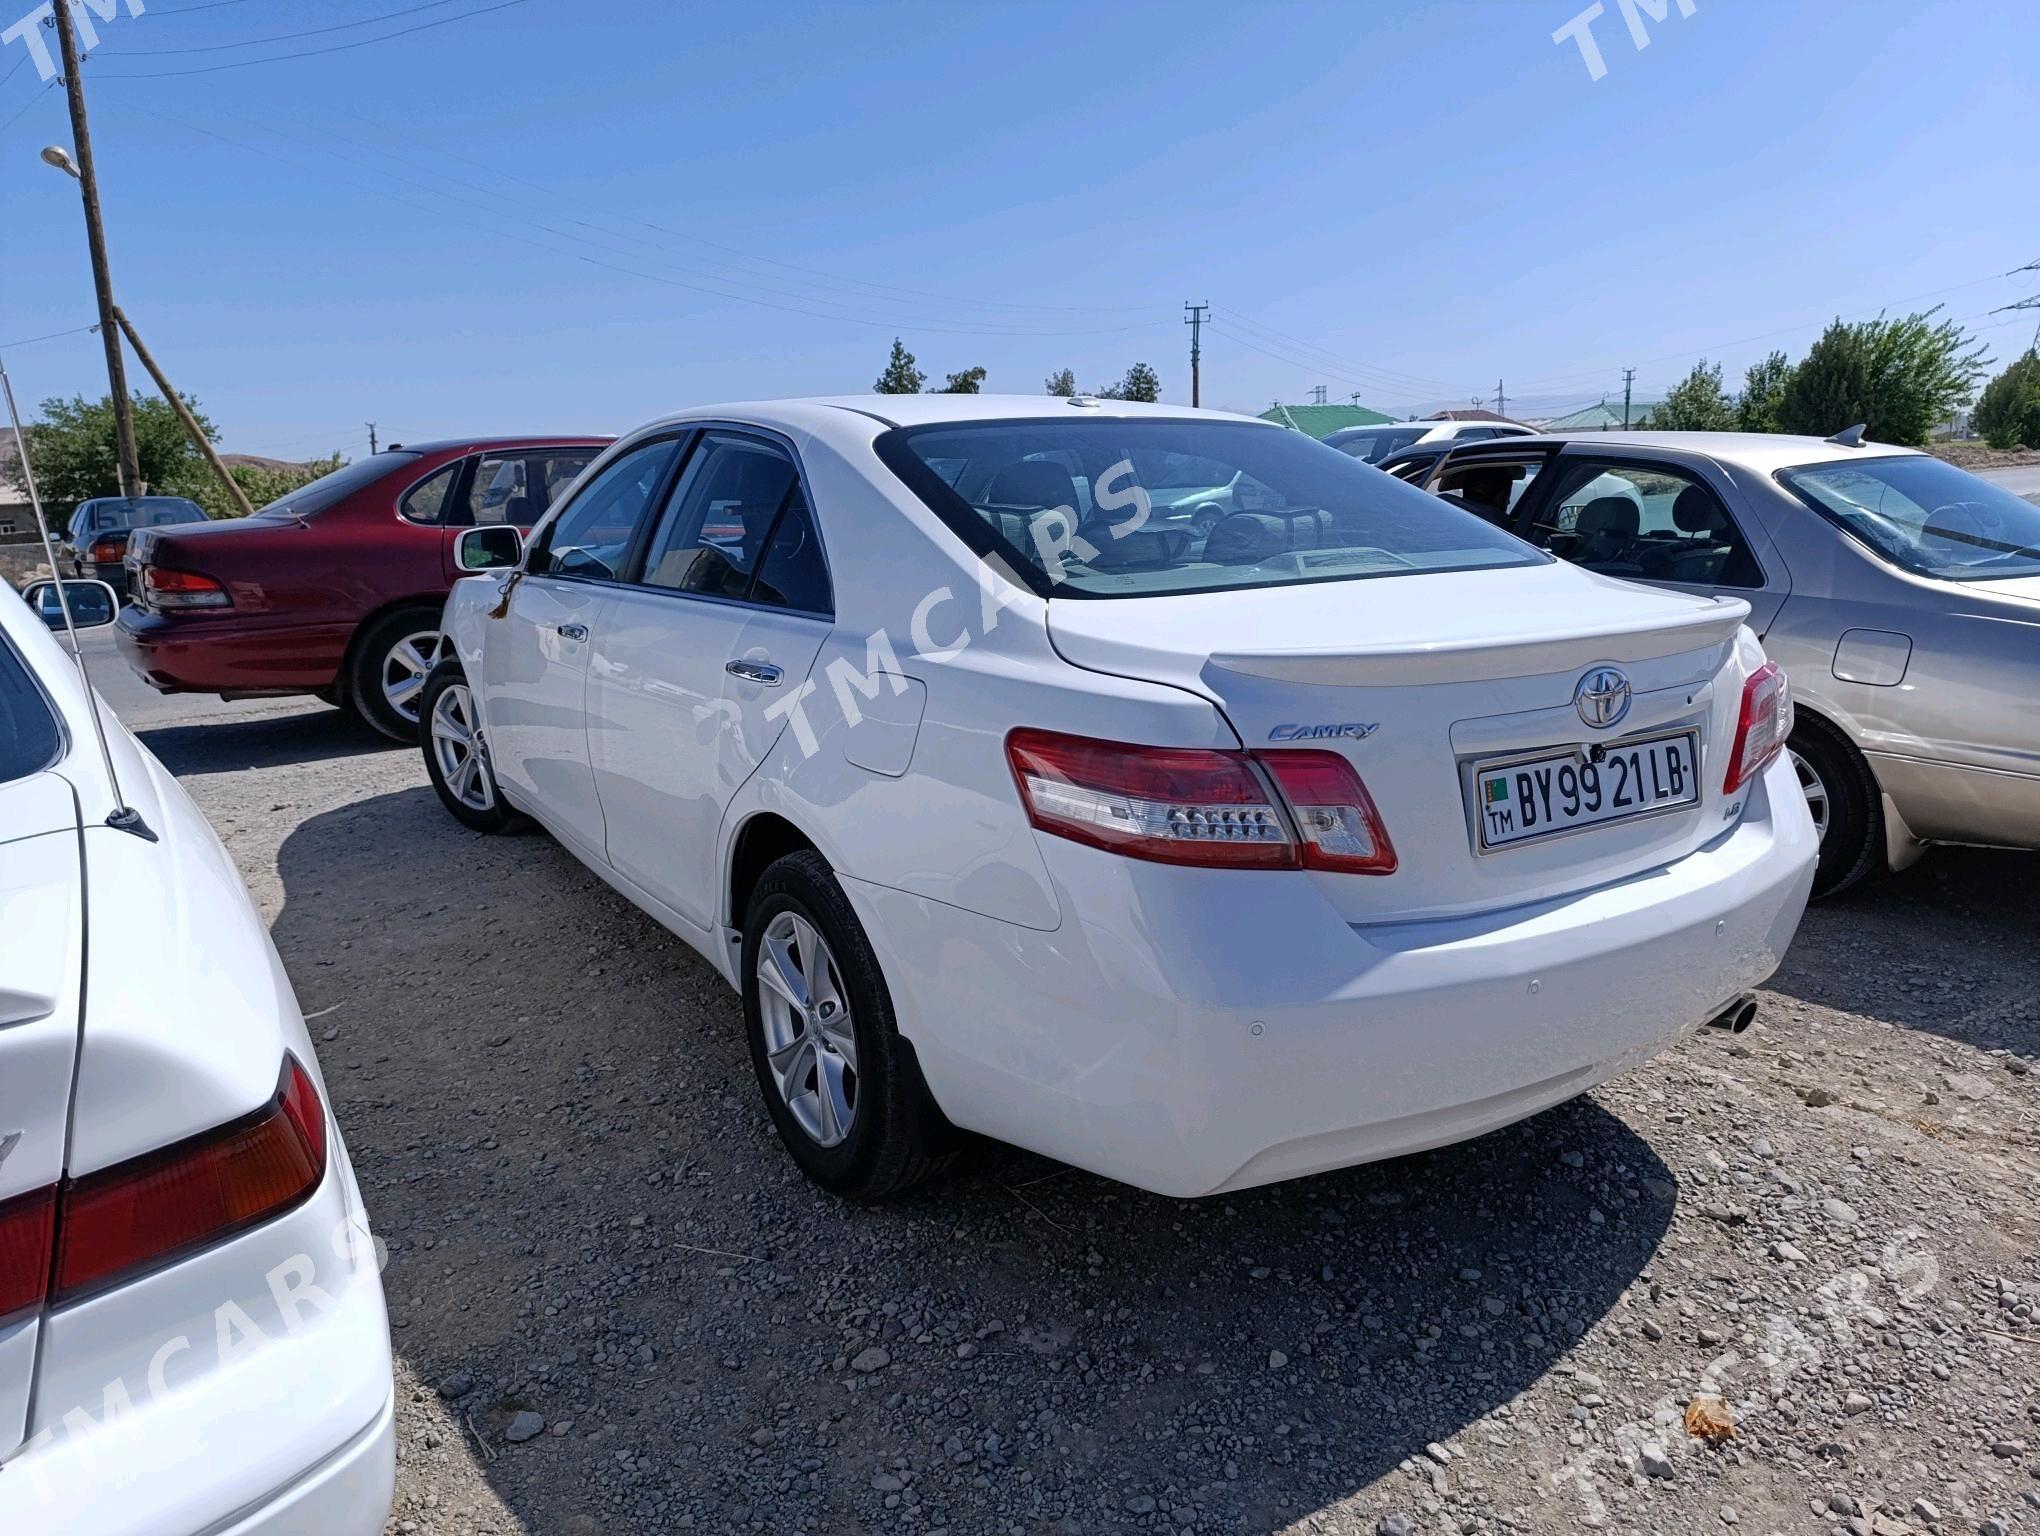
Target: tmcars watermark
pixel 29 30
pixel 1581 28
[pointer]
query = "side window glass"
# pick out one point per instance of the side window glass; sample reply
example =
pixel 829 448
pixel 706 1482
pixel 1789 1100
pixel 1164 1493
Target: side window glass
pixel 554 472
pixel 1652 523
pixel 517 488
pixel 720 517
pixel 1488 489
pixel 425 502
pixel 793 573
pixel 593 531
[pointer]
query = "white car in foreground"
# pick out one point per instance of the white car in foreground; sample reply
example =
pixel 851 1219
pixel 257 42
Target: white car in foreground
pixel 1196 859
pixel 192 1333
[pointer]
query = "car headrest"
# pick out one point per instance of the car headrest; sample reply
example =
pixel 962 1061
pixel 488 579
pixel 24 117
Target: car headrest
pixel 1695 511
pixel 1608 514
pixel 1246 537
pixel 1037 483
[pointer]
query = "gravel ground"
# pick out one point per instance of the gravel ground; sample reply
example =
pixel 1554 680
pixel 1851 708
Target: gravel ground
pixel 618 1309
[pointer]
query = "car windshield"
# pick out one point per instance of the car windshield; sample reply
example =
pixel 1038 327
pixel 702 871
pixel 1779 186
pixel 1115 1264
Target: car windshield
pixel 338 486
pixel 144 512
pixel 1371 445
pixel 1926 516
pixel 1069 508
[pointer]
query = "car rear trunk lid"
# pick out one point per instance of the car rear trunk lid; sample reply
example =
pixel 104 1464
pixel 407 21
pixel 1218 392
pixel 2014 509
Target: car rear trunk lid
pixel 1417 679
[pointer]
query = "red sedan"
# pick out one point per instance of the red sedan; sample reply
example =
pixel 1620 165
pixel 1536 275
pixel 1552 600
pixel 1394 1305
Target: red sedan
pixel 336 589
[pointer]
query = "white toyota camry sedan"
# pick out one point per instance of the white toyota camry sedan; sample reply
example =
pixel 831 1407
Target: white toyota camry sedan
pixel 192 1333
pixel 1198 857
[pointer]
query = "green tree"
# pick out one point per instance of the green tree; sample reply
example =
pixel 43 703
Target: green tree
pixel 1062 383
pixel 1762 392
pixel 901 377
pixel 76 455
pixel 2008 411
pixel 263 483
pixel 964 383
pixel 1695 404
pixel 1900 378
pixel 1141 383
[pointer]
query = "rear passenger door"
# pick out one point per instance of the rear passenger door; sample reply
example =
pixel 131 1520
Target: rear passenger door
pixel 720 620
pixel 1672 523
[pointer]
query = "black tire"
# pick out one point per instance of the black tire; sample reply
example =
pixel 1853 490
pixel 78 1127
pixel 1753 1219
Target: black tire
pixel 495 816
pixel 897 1137
pixel 374 656
pixel 1853 844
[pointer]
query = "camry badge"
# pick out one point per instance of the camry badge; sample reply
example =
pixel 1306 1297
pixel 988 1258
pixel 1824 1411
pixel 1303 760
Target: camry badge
pixel 1352 730
pixel 1602 697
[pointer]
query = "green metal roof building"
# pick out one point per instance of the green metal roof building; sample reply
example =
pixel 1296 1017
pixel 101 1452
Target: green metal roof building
pixel 1603 417
pixel 1321 421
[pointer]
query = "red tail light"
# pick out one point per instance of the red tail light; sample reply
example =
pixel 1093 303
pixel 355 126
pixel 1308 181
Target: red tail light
pixel 155 1209
pixel 1341 829
pixel 1174 805
pixel 182 589
pixel 1761 729
pixel 107 551
pixel 26 1225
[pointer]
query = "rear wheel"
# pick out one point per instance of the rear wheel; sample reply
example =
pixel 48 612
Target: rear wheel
pixel 840 1084
pixel 457 756
pixel 393 657
pixel 1842 796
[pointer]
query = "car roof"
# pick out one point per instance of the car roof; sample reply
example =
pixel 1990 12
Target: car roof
pixel 820 411
pixel 482 444
pixel 1763 453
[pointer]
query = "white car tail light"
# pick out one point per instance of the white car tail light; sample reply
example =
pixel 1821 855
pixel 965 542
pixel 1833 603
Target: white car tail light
pixel 1761 729
pixel 1176 805
pixel 87 1235
pixel 1341 829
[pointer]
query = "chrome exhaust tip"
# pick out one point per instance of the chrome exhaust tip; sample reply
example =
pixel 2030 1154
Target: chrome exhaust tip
pixel 1737 1016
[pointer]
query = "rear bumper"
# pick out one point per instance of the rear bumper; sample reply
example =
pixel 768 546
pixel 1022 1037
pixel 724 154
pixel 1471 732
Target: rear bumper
pixel 1195 1031
pixel 190 654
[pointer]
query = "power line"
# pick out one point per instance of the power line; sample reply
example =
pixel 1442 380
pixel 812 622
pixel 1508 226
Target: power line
pixel 311 53
pixel 1392 377
pixel 277 37
pixel 801 303
pixel 30 341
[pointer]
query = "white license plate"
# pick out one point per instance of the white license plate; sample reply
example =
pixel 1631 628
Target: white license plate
pixel 1527 798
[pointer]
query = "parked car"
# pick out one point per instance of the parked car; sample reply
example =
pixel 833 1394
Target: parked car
pixel 334 590
pixel 1373 444
pixel 1900 594
pixel 192 1331
pixel 94 545
pixel 1197 860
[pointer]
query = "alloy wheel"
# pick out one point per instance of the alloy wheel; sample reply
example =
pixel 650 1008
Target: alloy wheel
pixel 457 749
pixel 404 670
pixel 1816 791
pixel 810 1037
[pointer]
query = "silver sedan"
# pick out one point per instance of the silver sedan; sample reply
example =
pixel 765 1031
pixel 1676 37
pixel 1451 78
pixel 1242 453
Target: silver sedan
pixel 1900 594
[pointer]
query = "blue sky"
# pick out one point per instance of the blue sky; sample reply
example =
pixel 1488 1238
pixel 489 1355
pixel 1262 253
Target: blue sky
pixel 1408 199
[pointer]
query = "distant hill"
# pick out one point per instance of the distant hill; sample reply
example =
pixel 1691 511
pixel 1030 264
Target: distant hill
pixel 257 461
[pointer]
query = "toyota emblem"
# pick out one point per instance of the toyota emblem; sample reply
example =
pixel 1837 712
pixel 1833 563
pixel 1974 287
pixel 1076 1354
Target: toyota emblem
pixel 1602 697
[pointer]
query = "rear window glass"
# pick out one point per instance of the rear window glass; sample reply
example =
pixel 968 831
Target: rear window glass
pixel 143 512
pixel 1149 507
pixel 1926 516
pixel 338 486
pixel 29 737
pixel 1372 446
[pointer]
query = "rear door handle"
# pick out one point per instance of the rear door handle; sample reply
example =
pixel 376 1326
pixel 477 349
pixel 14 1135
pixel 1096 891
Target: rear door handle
pixel 571 631
pixel 755 672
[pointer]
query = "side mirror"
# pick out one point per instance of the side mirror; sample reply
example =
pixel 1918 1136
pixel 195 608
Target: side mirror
pixel 93 604
pixel 490 547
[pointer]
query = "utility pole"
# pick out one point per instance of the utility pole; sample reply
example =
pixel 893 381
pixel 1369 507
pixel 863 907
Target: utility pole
pixel 1501 400
pixel 1628 382
pixel 1317 394
pixel 371 437
pixel 1193 317
pixel 102 275
pixel 191 427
